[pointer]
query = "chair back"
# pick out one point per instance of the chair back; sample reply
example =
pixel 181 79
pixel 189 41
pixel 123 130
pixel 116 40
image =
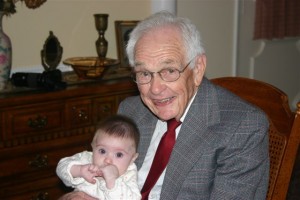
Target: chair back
pixel 284 130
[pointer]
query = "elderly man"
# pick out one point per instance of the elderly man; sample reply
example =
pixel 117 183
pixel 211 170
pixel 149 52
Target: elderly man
pixel 219 146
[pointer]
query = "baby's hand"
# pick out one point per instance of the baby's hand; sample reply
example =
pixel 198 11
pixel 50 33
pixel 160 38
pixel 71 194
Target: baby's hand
pixel 110 174
pixel 89 172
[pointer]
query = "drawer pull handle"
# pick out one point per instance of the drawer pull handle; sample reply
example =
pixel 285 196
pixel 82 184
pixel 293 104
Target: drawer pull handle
pixel 106 108
pixel 41 196
pixel 81 114
pixel 38 122
pixel 39 161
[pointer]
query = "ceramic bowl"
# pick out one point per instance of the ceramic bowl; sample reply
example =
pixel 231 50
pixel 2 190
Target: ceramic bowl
pixel 90 67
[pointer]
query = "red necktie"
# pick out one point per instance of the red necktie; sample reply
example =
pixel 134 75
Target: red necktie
pixel 161 157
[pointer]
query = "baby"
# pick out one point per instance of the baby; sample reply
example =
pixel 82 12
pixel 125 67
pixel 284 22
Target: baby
pixel 109 171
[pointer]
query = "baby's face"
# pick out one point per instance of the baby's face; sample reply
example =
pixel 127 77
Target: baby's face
pixel 118 151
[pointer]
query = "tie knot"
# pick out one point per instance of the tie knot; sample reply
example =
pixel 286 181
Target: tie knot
pixel 173 124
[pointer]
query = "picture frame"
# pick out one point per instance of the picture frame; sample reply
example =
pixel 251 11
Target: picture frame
pixel 123 29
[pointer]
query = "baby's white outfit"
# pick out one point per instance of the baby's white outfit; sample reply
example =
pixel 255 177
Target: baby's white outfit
pixel 126 186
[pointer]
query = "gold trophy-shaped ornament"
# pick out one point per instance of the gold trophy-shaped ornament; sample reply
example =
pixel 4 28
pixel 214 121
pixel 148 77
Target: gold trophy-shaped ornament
pixel 101 21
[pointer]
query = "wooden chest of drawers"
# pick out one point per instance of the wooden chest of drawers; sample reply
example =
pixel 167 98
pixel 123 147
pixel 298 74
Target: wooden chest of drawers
pixel 39 128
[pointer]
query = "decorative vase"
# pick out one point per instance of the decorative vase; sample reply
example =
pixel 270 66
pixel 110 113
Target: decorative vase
pixel 101 21
pixel 5 56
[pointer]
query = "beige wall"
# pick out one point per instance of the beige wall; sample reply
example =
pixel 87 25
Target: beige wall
pixel 215 21
pixel 72 22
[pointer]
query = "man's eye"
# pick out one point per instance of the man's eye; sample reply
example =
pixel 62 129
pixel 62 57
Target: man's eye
pixel 119 155
pixel 144 74
pixel 171 70
pixel 167 71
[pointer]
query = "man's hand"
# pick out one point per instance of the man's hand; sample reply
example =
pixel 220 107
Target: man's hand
pixel 76 196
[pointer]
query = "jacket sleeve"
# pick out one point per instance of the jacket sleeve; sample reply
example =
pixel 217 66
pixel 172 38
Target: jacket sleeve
pixel 243 166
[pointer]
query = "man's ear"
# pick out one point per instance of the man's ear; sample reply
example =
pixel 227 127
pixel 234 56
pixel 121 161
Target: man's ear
pixel 199 69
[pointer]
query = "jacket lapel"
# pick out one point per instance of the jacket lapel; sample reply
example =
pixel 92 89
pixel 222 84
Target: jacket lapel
pixel 147 125
pixel 193 138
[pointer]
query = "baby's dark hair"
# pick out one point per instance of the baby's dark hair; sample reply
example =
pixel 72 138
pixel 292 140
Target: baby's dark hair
pixel 119 126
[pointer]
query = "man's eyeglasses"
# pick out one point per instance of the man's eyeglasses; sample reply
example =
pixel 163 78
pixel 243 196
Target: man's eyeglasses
pixel 170 74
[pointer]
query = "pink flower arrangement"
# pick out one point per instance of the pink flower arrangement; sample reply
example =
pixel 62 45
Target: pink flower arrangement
pixel 3 59
pixel 8 6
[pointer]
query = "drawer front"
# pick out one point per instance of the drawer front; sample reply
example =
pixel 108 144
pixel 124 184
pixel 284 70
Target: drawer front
pixel 33 174
pixel 48 188
pixel 32 120
pixel 104 107
pixel 79 113
pixel 39 158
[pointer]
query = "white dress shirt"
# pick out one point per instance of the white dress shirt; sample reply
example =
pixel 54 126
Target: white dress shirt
pixel 161 128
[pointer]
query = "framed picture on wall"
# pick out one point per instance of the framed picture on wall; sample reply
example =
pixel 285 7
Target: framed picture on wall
pixel 123 29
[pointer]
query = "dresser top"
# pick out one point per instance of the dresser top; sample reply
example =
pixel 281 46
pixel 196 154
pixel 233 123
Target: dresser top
pixel 115 82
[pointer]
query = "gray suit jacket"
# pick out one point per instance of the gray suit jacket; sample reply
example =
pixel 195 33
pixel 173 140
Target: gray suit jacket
pixel 221 151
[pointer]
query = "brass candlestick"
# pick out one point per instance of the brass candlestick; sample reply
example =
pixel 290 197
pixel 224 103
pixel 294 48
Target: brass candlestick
pixel 101 21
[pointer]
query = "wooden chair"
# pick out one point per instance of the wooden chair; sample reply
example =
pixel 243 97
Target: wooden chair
pixel 284 131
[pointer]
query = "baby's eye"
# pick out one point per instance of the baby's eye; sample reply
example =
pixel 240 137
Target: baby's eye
pixel 102 151
pixel 119 155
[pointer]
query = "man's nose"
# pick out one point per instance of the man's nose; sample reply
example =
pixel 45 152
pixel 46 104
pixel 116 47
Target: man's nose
pixel 157 84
